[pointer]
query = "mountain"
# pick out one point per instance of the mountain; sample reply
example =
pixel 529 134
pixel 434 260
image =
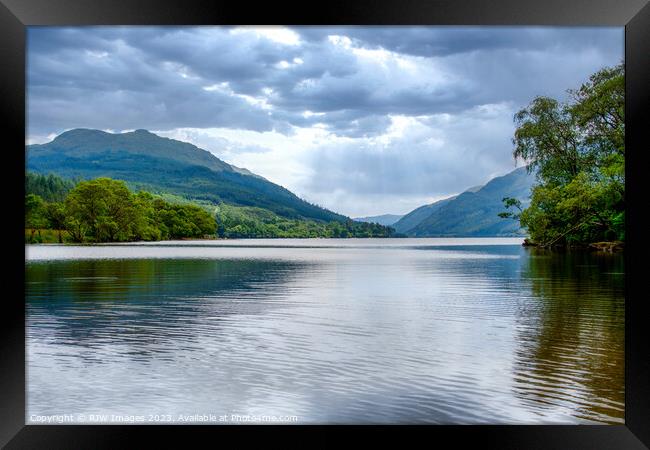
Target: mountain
pixel 412 219
pixel 147 161
pixel 385 219
pixel 473 212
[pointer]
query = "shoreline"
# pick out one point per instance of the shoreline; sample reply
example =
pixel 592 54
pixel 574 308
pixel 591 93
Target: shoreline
pixel 266 238
pixel 601 246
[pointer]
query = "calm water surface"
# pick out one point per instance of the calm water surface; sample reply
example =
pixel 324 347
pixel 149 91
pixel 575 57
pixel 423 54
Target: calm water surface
pixel 329 331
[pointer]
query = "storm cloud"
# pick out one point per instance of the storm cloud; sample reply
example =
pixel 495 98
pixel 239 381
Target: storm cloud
pixel 363 120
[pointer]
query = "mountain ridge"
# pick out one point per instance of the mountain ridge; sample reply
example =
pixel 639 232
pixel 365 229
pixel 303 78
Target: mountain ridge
pixel 146 160
pixel 473 212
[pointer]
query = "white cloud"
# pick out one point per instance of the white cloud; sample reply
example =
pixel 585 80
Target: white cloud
pixel 41 139
pixel 417 160
pixel 281 35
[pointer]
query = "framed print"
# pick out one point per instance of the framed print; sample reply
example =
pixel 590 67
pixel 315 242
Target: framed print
pixel 239 219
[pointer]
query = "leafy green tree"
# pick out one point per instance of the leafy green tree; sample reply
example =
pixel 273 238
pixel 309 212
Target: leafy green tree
pixel 145 226
pixel 84 205
pixel 183 221
pixel 548 138
pixel 55 218
pixel 34 214
pixel 599 109
pixel 102 208
pixel 578 151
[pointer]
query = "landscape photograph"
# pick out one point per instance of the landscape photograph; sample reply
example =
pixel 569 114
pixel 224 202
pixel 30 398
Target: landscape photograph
pixel 325 225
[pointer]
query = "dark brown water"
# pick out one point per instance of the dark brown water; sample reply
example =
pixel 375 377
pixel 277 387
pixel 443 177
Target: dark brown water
pixel 325 331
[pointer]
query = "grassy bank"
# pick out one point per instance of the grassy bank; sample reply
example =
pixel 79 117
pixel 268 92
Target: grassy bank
pixel 45 236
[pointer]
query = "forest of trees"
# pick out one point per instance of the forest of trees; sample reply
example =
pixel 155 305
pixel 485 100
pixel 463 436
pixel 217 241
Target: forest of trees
pixel 577 149
pixel 50 188
pixel 106 210
pixel 251 222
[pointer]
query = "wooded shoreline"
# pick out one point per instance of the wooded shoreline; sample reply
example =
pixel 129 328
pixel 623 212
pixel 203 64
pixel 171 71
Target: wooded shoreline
pixel 603 246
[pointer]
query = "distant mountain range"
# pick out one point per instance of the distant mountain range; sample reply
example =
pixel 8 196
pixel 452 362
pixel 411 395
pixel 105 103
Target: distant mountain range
pixel 147 161
pixel 474 212
pixel 385 219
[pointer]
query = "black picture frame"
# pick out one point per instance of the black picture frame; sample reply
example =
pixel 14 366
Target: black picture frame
pixel 634 15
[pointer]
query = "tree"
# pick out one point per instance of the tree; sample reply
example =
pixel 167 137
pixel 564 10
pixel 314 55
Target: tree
pixel 578 150
pixel 548 138
pixel 180 221
pixel 102 208
pixel 34 218
pixel 146 227
pixel 599 108
pixel 55 218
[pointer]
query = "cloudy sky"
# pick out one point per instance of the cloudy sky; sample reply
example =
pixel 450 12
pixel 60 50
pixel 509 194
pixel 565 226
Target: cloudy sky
pixel 361 120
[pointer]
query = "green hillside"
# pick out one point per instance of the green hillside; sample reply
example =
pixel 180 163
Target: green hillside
pixel 160 165
pixel 412 219
pixel 473 212
pixel 60 210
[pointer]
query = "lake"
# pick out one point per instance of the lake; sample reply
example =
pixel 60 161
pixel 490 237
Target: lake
pixel 440 331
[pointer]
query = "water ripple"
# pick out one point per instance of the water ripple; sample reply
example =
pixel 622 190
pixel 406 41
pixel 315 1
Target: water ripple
pixel 346 333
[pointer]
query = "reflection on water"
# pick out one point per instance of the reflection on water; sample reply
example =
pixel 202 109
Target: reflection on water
pixel 571 353
pixel 413 331
pixel 146 303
